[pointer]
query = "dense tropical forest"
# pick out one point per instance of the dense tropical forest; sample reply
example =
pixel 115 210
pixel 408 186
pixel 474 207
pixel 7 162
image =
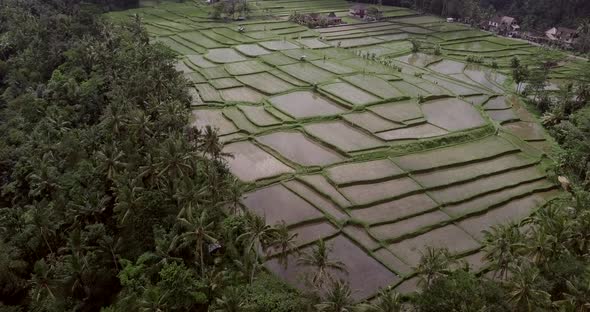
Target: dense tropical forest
pixel 534 15
pixel 111 201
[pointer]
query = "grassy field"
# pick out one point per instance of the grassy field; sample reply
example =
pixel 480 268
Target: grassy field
pixel 346 135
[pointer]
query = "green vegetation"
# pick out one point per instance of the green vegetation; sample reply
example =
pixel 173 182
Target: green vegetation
pixel 109 197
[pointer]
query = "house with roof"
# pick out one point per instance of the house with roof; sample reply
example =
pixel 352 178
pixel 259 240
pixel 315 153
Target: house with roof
pixel 333 19
pixel 504 25
pixel 566 35
pixel 562 35
pixel 358 10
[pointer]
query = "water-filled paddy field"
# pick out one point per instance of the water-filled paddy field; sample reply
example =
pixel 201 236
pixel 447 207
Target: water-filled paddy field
pixel 348 136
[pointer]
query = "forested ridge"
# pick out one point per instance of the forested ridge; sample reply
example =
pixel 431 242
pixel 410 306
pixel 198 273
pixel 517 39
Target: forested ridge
pixel 538 15
pixel 111 201
pixel 108 195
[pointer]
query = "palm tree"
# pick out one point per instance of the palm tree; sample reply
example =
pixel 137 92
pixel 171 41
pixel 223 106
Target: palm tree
pixel 433 264
pixel 210 143
pixel 258 235
pixel 114 118
pixel 284 242
pixel 140 124
pixel 248 264
pixel 11 266
pixel 110 160
pixel 128 200
pixel 41 281
pixel 163 253
pixel 551 230
pixel 577 296
pixel 337 299
pixel 188 196
pixel 199 231
pixel 173 160
pixel 541 246
pixel 90 207
pixel 153 300
pixel 232 300
pixel 149 171
pixel 584 27
pixel 524 291
pixel 110 247
pixel 388 301
pixel 503 244
pixel 77 265
pixel 213 280
pixel 43 219
pixel 42 179
pixel 319 258
pixel 234 190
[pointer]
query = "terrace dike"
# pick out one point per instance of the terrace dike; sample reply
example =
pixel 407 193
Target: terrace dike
pixel 348 136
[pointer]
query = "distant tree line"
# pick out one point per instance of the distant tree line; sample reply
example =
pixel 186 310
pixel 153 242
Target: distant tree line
pixel 533 15
pixel 109 5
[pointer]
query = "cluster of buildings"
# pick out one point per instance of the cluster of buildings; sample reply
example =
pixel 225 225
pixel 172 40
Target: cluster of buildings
pixel 508 26
pixel 358 10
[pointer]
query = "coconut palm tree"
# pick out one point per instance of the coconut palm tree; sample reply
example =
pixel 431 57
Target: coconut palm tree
pixel 140 125
pixel 188 196
pixel 319 258
pixel 248 264
pixel 232 300
pixel 584 26
pixel 257 237
pixel 577 295
pixel 234 190
pixel 42 179
pixel 284 242
pixel 162 255
pixel 128 200
pixel 173 160
pixel 503 245
pixel 210 144
pixel 541 246
pixel 213 280
pixel 114 118
pixel 44 220
pixel 337 299
pixel 524 289
pixel 388 301
pixel 434 263
pixel 199 231
pixel 153 300
pixel 11 266
pixel 110 160
pixel 41 281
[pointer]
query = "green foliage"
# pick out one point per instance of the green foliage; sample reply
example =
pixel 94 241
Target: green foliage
pixel 437 50
pixel 474 59
pixel 573 134
pixel 416 45
pixel 109 197
pixel 337 298
pixel 461 291
pixel 267 293
pixel 515 62
pixel 231 9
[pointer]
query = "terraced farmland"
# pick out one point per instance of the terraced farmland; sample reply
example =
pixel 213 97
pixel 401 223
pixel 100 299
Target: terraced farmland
pixel 346 135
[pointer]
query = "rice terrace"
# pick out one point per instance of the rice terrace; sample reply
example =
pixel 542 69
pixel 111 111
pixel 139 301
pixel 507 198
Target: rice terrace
pixel 351 135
